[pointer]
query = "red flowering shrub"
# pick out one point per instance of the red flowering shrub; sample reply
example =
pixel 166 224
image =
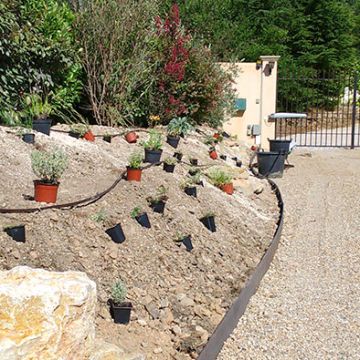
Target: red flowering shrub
pixel 188 82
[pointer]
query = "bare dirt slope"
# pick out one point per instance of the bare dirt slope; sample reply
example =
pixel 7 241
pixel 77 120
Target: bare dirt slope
pixel 178 297
pixel 307 306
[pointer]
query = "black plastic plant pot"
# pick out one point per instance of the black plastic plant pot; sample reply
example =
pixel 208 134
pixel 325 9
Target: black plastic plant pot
pixel 107 138
pixel 223 157
pixel 74 134
pixel 158 207
pixel 16 232
pixel 194 162
pixel 234 158
pixel 143 220
pixel 193 172
pixel 28 138
pixel 117 234
pixel 152 156
pixel 120 313
pixel 209 223
pixel 169 168
pixel 238 163
pixel 187 242
pixel 225 135
pixel 178 156
pixel 191 191
pixel 173 141
pixel 42 125
pixel 271 164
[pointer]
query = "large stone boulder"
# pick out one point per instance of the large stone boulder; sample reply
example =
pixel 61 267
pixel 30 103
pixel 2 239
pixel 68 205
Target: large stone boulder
pixel 46 315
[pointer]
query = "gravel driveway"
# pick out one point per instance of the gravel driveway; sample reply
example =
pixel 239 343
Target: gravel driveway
pixel 308 304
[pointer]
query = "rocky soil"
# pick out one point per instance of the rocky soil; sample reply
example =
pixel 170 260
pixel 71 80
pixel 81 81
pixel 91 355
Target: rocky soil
pixel 179 297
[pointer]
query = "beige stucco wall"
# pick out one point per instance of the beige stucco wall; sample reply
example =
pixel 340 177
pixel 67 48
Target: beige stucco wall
pixel 258 87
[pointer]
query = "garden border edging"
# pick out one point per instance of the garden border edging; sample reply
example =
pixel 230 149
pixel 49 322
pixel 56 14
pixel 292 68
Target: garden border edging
pixel 238 307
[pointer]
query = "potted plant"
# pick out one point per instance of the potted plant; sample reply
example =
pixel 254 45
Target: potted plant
pixel 177 127
pixel 217 137
pixel 81 131
pixel 194 161
pixel 188 185
pixel 39 110
pixel 134 169
pixel 238 163
pixel 141 217
pixel 185 240
pixel 119 309
pixel 48 166
pixel 131 137
pixel 153 147
pixel 115 232
pixel 107 137
pixel 26 135
pixel 208 220
pixel 222 180
pixel 193 171
pixel 223 157
pixel 17 232
pixel 169 164
pixel 157 202
pixel 178 155
pixel 212 153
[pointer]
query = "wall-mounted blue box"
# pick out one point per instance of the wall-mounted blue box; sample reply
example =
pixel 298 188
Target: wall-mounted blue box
pixel 240 104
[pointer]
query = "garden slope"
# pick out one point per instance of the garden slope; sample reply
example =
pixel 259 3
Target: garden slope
pixel 178 297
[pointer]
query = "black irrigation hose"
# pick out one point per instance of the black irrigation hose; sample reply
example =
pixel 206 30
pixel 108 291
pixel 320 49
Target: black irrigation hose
pixel 80 203
pixel 111 135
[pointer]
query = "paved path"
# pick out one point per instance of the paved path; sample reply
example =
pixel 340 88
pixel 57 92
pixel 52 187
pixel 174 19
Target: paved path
pixel 308 304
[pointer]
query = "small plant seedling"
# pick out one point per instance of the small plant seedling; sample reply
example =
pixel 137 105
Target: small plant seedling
pixel 135 160
pixel 154 141
pixel 49 166
pixel 80 129
pixel 100 216
pixel 179 126
pixel 119 292
pixel 209 214
pixel 135 212
pixel 219 177
pixel 170 161
pixel 161 195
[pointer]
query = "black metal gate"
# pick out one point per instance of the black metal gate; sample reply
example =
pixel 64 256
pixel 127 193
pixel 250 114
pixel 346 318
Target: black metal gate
pixel 330 103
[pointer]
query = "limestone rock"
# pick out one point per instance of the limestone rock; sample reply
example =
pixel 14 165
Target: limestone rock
pixel 46 315
pixel 106 351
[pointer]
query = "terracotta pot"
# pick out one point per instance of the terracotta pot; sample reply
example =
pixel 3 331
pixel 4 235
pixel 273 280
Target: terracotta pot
pixel 216 135
pixel 213 154
pixel 45 192
pixel 228 188
pixel 131 137
pixel 133 174
pixel 89 136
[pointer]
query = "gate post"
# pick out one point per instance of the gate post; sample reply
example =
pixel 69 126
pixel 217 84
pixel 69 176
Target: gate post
pixel 356 78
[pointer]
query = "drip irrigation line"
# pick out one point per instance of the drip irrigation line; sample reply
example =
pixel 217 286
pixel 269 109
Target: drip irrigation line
pixel 80 203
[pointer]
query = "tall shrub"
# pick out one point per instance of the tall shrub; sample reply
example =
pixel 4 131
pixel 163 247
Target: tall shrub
pixel 38 52
pixel 117 42
pixel 189 82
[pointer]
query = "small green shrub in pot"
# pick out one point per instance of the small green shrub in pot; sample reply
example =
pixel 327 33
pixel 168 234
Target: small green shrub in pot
pixel 153 147
pixel 135 160
pixel 134 169
pixel 222 180
pixel 79 129
pixel 49 167
pixel 177 127
pixel 119 292
pixel 119 309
